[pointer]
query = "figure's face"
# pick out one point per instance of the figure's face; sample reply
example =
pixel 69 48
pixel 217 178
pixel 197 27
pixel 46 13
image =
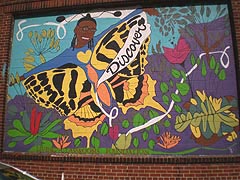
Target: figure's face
pixel 84 32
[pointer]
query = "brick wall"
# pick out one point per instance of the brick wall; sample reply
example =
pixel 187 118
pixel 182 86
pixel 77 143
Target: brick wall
pixel 103 167
pixel 129 171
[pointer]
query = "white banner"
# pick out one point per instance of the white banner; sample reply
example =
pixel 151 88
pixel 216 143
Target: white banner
pixel 138 33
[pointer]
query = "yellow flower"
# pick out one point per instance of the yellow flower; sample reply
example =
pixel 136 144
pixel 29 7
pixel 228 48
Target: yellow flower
pixel 196 131
pixel 232 136
pixel 193 101
pixel 216 103
pixel 202 95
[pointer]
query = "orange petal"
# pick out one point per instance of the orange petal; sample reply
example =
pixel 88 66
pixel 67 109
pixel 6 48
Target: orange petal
pixel 162 145
pixel 66 144
pixel 172 145
pixel 65 139
pixel 103 94
pixel 57 145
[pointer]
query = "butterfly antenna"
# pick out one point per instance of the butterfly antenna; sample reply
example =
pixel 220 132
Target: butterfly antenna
pixel 63 18
pixel 116 14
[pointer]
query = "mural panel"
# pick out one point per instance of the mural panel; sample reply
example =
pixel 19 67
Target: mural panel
pixel 144 81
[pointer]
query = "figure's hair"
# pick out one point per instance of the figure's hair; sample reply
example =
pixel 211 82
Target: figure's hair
pixel 85 18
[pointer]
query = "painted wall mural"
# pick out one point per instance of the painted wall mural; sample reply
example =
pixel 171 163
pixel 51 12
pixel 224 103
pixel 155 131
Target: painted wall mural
pixel 147 81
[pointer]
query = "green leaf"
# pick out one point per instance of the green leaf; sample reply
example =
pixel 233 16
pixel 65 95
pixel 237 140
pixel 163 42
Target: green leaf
pixel 104 129
pixel 19 138
pixel 222 75
pixel 183 88
pixel 213 124
pixel 21 113
pixel 18 125
pixel 204 69
pixel 156 129
pixel 164 87
pixel 176 73
pixel 125 123
pixel 145 135
pixel 165 99
pixel 217 69
pixel 198 61
pixel 175 97
pixel 12 144
pixel 166 123
pixel 49 135
pixel 29 140
pixel 135 142
pixel 52 125
pixel 171 83
pixel 16 133
pixel 46 117
pixel 224 109
pixel 204 108
pixel 138 120
pixel 148 128
pixel 177 108
pixel 181 123
pixel 204 123
pixel 12 110
pixel 212 63
pixel 197 118
pixel 153 114
pixel 228 120
pixel 193 61
pixel 183 74
pixel 210 107
pixel 46 143
pixel 95 142
pixel 123 142
pixel 151 144
pixel 77 142
pixel 25 119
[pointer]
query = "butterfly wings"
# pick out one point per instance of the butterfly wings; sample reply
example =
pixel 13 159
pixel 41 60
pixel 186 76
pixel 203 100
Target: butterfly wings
pixel 67 90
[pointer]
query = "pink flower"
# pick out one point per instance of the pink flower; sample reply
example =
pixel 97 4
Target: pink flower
pixel 113 132
pixel 178 54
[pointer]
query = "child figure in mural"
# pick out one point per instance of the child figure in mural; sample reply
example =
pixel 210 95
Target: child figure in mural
pixel 96 72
